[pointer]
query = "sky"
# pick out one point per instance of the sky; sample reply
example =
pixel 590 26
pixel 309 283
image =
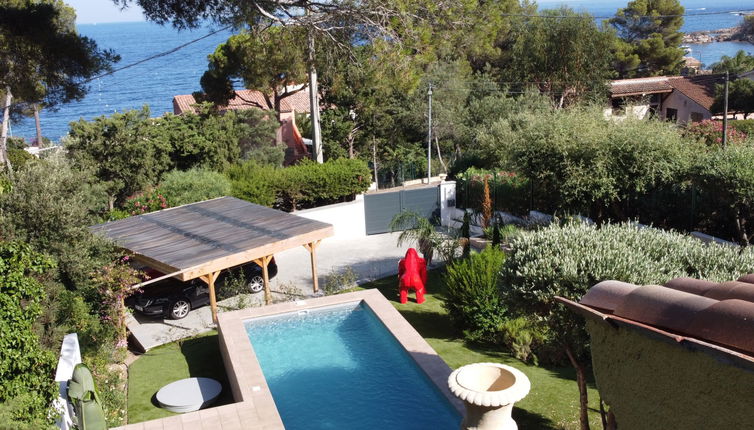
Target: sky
pixel 101 11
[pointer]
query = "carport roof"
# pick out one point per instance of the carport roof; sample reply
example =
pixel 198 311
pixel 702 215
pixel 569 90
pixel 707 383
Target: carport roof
pixel 212 235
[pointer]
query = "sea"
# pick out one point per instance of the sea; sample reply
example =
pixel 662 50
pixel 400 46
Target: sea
pixel 155 82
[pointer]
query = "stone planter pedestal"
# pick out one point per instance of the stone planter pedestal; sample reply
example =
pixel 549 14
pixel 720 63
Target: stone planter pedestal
pixel 488 390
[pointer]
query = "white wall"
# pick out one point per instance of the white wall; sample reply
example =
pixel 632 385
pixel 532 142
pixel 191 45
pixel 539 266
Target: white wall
pixel 685 106
pixel 346 218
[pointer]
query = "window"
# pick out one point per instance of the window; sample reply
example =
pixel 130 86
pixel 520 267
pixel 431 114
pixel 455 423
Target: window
pixel 619 106
pixel 671 114
pixel 696 117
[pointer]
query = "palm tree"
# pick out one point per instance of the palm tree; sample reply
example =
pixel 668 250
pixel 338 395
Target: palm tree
pixel 419 229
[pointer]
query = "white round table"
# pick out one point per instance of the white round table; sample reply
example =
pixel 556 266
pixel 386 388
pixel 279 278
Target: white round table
pixel 188 395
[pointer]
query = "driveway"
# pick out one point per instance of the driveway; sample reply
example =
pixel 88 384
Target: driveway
pixel 369 258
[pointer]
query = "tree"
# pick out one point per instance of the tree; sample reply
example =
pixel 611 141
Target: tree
pixel 42 57
pixel 26 369
pixel 650 38
pixel 120 152
pixel 272 61
pixel 567 58
pixel 740 97
pixel 735 65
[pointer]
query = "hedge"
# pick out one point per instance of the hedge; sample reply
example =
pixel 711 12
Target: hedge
pixel 304 185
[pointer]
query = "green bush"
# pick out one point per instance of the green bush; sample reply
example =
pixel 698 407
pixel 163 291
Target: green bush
pixel 26 369
pixel 19 157
pixel 254 182
pixel 567 260
pixel 194 185
pixel 473 298
pixel 306 184
pixel 744 126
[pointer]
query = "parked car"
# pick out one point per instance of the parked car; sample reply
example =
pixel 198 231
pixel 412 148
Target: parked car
pixel 174 299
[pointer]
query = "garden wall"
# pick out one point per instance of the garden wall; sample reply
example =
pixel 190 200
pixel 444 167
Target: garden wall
pixel 346 218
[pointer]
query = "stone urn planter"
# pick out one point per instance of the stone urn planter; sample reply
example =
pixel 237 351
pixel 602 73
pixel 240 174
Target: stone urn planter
pixel 488 390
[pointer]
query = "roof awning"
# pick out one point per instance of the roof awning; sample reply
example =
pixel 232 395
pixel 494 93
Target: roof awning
pixel 200 239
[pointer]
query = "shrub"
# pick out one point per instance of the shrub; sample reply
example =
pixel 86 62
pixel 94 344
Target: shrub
pixel 19 157
pixel 253 182
pixel 195 185
pixel 745 126
pixel 567 260
pixel 473 298
pixel 338 281
pixel 726 176
pixel 307 184
pixel 711 132
pixel 145 202
pixel 25 367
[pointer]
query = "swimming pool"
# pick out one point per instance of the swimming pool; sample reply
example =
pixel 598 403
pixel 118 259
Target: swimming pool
pixel 339 367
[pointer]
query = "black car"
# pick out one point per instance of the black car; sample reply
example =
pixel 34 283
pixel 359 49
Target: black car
pixel 171 298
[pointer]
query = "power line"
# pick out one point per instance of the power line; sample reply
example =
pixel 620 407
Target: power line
pixel 142 61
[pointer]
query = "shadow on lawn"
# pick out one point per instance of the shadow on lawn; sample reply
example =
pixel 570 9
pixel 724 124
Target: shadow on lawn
pixel 531 420
pixel 203 358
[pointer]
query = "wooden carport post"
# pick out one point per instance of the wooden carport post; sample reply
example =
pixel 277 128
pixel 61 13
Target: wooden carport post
pixel 312 248
pixel 263 262
pixel 210 279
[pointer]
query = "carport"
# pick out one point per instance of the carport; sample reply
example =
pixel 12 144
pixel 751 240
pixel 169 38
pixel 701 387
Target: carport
pixel 199 240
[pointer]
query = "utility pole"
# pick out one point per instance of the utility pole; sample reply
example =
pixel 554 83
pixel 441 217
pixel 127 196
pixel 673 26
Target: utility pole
pixel 314 102
pixel 725 112
pixel 429 136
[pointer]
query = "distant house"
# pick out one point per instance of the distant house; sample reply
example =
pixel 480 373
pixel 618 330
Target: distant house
pixel 681 99
pixel 288 132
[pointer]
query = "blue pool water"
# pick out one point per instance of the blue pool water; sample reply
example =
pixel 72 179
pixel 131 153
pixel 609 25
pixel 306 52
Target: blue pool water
pixel 340 368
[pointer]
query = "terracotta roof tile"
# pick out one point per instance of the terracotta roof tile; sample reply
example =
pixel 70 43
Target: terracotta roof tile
pixel 248 99
pixel 662 307
pixel 700 88
pixel 717 316
pixel 607 294
pixel 691 285
pixel 639 86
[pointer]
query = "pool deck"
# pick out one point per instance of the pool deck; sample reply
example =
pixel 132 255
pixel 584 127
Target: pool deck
pixel 255 408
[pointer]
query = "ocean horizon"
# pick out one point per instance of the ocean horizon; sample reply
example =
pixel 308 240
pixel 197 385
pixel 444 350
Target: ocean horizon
pixel 154 83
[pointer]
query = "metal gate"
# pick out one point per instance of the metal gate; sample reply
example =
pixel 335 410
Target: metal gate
pixel 380 208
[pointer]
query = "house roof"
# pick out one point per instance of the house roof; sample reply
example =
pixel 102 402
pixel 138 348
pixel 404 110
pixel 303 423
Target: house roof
pixel 699 88
pixel 640 86
pixel 709 315
pixel 247 99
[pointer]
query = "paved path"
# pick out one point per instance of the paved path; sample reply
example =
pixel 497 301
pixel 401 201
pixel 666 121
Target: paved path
pixel 371 257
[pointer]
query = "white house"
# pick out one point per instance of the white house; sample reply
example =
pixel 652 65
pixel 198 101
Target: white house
pixel 681 99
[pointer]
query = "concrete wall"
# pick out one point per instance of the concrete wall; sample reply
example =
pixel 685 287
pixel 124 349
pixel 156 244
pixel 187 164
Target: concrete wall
pixel 685 106
pixel 654 384
pixel 346 218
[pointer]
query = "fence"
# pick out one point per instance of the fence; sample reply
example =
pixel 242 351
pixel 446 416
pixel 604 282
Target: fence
pixel 396 175
pixel 684 208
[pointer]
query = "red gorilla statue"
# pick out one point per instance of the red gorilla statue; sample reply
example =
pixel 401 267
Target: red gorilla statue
pixel 412 273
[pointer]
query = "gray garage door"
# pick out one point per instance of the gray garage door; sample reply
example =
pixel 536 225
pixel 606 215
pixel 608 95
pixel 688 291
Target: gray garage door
pixel 380 208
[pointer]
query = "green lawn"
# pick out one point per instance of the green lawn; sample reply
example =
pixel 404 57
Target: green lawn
pixel 551 404
pixel 198 356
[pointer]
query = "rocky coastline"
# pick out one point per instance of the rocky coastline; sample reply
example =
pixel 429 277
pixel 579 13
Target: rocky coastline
pixel 732 34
